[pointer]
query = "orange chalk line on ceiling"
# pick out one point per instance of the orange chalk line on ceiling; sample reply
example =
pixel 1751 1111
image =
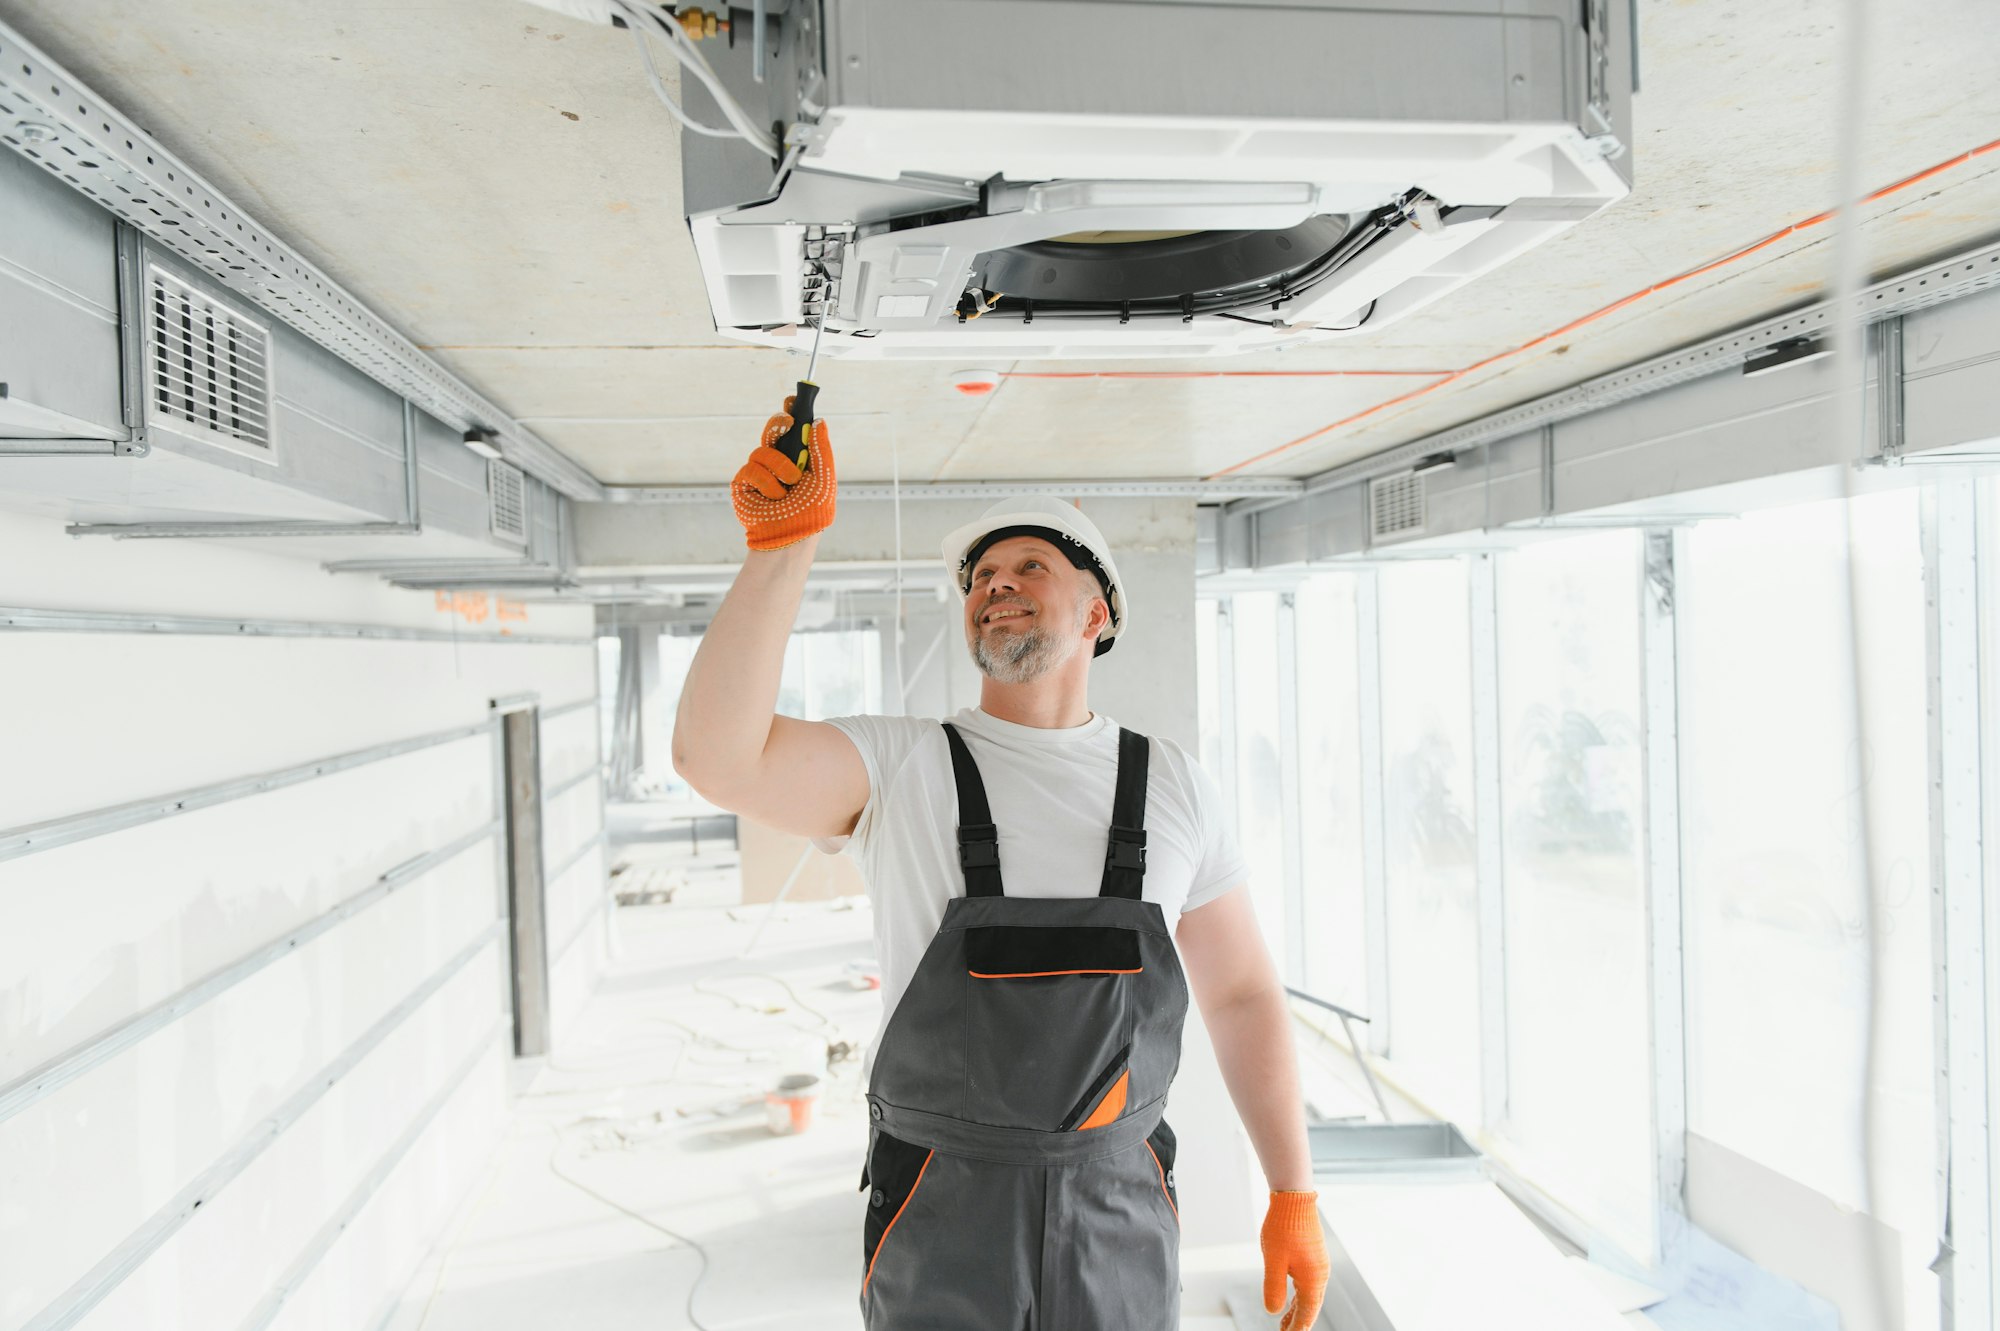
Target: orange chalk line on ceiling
pixel 1219 374
pixel 1733 256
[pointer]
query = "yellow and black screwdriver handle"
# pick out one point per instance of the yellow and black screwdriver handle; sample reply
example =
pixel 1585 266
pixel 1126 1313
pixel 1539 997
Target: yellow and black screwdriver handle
pixel 793 443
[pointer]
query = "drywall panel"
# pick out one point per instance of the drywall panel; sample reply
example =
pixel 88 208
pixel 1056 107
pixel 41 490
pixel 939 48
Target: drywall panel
pixel 579 945
pixel 1846 1257
pixel 575 895
pixel 103 928
pixel 569 741
pixel 94 1161
pixel 360 1279
pixel 229 1256
pixel 568 821
pixel 150 715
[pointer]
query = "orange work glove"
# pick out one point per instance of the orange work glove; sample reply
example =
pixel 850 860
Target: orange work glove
pixel 1293 1246
pixel 778 504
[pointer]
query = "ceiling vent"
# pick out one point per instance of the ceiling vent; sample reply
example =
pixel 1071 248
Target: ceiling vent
pixel 208 369
pixel 1395 506
pixel 506 501
pixel 986 209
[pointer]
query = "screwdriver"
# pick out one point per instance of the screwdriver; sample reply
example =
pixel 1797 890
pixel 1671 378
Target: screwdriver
pixel 792 443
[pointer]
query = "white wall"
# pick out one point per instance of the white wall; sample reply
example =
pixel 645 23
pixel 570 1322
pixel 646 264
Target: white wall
pixel 100 930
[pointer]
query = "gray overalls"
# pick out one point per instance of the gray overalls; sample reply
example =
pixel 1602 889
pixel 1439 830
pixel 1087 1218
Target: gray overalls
pixel 1020 1176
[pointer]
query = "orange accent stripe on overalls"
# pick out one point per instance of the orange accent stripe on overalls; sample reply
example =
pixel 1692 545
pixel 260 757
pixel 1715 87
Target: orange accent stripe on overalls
pixel 1163 1190
pixel 906 1206
pixel 1111 1106
pixel 1029 975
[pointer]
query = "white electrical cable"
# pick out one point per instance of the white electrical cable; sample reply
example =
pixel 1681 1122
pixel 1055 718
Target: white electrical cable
pixel 896 494
pixel 683 49
pixel 660 89
pixel 692 59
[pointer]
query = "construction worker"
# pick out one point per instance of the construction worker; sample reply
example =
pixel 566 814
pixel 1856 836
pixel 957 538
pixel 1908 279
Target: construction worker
pixel 1040 880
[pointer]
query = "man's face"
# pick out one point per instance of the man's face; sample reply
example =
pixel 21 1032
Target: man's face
pixel 1028 611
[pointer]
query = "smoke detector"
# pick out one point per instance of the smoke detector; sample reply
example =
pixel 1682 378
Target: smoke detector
pixel 976 383
pixel 1140 178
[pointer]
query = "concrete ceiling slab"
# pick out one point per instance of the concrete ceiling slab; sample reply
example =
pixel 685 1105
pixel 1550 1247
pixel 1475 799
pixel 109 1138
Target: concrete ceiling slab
pixel 498 182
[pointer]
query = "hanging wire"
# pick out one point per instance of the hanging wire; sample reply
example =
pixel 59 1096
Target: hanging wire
pixel 1848 402
pixel 896 502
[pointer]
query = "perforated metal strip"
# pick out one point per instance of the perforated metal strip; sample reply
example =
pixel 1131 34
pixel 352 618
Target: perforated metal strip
pixel 1933 284
pixel 54 121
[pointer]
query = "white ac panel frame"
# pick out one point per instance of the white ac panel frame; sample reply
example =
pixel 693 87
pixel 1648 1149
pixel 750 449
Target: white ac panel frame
pixel 891 194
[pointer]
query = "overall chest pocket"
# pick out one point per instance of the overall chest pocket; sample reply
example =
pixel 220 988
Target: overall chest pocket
pixel 1049 1019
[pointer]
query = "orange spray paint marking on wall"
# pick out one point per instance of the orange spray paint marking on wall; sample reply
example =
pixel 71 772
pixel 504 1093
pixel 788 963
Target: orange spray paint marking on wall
pixel 472 607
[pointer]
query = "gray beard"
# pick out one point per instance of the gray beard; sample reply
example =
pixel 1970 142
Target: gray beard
pixel 1020 657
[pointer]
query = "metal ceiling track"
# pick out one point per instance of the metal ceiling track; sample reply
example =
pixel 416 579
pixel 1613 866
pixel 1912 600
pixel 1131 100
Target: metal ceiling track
pixel 1211 491
pixel 1933 284
pixel 54 121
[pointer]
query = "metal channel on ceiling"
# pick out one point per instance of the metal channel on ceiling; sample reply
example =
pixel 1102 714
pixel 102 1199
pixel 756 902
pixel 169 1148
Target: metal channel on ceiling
pixel 1936 283
pixel 1208 491
pixel 52 120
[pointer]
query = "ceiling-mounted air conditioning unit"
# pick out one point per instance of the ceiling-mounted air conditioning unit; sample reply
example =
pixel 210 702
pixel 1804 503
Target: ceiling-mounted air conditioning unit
pixel 1018 178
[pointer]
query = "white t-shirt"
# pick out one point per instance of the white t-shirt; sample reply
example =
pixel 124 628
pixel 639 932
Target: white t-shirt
pixel 1050 793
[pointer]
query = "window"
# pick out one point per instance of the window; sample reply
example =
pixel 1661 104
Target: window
pixel 1329 685
pixel 835 672
pixel 1573 836
pixel 1208 687
pixel 1429 853
pixel 1260 822
pixel 1805 854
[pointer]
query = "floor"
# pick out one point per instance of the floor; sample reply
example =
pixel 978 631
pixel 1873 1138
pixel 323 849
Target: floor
pixel 647 1135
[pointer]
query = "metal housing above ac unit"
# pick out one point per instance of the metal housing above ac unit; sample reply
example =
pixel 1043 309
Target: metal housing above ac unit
pixel 1131 178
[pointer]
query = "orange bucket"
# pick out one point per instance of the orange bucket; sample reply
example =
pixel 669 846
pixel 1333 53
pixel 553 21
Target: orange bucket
pixel 788 1109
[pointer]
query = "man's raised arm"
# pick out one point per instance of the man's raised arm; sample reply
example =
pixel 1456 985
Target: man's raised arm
pixel 802 777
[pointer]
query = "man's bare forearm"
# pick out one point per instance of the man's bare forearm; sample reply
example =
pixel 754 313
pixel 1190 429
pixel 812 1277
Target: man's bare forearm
pixel 731 692
pixel 1253 1045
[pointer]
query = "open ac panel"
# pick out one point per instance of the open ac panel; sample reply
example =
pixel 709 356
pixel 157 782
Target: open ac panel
pixel 1136 178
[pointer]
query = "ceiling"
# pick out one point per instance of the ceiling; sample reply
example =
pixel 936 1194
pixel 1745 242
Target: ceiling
pixel 497 182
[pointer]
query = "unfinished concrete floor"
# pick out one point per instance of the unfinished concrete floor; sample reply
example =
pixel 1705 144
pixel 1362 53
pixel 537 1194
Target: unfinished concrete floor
pixel 651 1120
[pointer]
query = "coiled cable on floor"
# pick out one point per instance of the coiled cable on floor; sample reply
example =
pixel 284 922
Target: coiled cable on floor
pixel 555 1168
pixel 703 985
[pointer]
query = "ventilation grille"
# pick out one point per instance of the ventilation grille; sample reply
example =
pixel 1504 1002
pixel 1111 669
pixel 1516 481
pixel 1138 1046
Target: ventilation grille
pixel 506 501
pixel 1396 506
pixel 208 369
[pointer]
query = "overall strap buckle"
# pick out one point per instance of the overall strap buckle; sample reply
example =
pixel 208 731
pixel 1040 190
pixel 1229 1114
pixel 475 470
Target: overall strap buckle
pixel 978 846
pixel 1126 849
pixel 978 838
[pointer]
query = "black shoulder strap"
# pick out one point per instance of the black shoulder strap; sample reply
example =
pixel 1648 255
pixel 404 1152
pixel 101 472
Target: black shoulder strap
pixel 1125 852
pixel 978 838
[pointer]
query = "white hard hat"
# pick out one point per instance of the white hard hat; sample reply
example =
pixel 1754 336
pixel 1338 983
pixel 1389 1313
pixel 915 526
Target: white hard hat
pixel 1061 524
